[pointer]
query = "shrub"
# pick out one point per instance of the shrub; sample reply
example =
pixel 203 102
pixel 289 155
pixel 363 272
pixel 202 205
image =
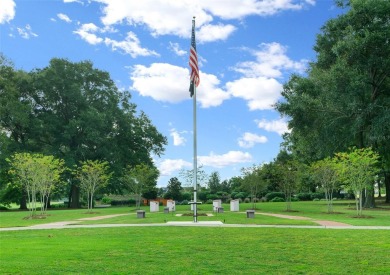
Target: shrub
pixel 106 200
pixel 272 195
pixel 304 196
pixel 317 196
pixel 277 199
pixel 316 199
pixel 209 202
pixel 247 200
pixel 123 202
pixel 212 197
pixel 184 202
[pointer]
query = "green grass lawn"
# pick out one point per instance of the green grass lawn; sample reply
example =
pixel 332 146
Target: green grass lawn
pixel 194 250
pixel 315 210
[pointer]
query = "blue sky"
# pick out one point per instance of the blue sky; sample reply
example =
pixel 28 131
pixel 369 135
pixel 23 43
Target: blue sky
pixel 247 49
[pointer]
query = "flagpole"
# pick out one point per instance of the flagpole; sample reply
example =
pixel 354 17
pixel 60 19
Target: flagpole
pixel 195 168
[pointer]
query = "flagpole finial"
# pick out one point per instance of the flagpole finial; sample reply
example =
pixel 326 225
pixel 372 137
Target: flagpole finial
pixel 193 17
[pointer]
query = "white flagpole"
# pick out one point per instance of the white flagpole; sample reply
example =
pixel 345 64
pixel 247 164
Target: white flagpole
pixel 195 168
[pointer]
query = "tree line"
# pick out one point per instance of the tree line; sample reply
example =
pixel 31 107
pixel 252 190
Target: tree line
pixel 73 113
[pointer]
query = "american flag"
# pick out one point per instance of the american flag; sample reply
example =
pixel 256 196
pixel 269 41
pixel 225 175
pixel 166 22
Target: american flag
pixel 194 78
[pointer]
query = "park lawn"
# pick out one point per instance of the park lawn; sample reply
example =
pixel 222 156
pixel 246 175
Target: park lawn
pixel 226 217
pixel 316 210
pixel 195 250
pixel 344 212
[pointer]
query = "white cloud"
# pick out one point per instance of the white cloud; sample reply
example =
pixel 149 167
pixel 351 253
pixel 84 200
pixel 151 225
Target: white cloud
pixel 236 9
pixel 230 158
pixel 168 83
pixel 7 11
pixel 248 140
pixel 64 17
pixel 261 92
pixel 176 49
pixel 271 60
pixel 172 17
pixel 26 32
pixel 168 166
pixel 209 32
pixel 87 33
pixel 279 126
pixel 178 140
pixel 76 1
pixel 131 45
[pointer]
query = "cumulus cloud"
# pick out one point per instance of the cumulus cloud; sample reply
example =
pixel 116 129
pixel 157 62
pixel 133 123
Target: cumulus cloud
pixel 248 140
pixel 169 166
pixel 163 17
pixel 176 49
pixel 261 93
pixel 236 9
pixel 178 139
pixel 7 11
pixel 64 17
pixel 279 126
pixel 271 61
pixel 230 158
pixel 210 32
pixel 87 33
pixel 131 45
pixel 26 32
pixel 168 83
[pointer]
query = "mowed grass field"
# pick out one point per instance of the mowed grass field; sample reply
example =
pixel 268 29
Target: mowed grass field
pixel 315 210
pixel 198 250
pixel 195 250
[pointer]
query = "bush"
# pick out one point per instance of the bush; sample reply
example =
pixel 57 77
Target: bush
pixel 247 200
pixel 272 195
pixel 184 202
pixel 277 199
pixel 316 199
pixel 209 202
pixel 123 202
pixel 317 196
pixel 304 196
pixel 106 200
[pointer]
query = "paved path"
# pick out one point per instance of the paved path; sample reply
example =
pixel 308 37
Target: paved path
pixel 74 224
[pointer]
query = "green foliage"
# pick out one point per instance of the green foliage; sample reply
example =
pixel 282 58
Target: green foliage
pixel 357 169
pixel 141 180
pixel 277 199
pixel 272 195
pixel 93 175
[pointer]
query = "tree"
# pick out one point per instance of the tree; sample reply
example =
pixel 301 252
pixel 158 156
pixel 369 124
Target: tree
pixel 174 189
pixel 358 169
pixel 141 180
pixel 92 175
pixel 36 173
pixel 188 176
pixel 75 112
pixel 252 182
pixel 325 173
pixel 344 100
pixel 214 182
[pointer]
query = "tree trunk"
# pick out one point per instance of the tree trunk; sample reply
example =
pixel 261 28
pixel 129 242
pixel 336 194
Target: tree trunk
pixel 23 202
pixel 369 198
pixel 387 185
pixel 74 196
